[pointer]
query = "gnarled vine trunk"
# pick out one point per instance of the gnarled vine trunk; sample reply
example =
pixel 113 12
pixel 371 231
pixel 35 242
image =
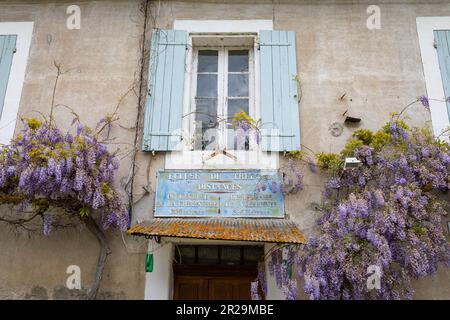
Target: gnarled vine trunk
pixel 93 227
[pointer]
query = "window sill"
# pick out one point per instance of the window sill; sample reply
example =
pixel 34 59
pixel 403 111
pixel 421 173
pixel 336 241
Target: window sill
pixel 255 159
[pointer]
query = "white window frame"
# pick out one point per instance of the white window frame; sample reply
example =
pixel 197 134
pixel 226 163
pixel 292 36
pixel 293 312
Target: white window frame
pixel 198 159
pixel 24 32
pixel 222 75
pixel 433 80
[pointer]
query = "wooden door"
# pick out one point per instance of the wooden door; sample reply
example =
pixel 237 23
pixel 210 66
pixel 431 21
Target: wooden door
pixel 190 288
pixel 216 283
pixel 215 272
pixel 229 289
pixel 211 288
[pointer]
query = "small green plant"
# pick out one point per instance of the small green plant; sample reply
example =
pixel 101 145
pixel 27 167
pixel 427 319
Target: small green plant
pixel 330 162
pixel 296 154
pixel 365 135
pixel 351 146
pixel 380 139
pixel 243 117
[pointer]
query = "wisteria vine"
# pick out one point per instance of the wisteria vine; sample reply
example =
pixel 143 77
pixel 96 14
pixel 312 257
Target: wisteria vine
pixel 44 167
pixel 386 214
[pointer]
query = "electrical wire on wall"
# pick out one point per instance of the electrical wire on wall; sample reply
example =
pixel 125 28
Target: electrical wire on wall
pixel 150 20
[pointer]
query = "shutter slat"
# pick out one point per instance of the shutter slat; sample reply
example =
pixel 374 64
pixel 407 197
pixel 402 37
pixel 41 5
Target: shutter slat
pixel 158 102
pixel 166 89
pixel 7 49
pixel 442 38
pixel 285 92
pixel 162 127
pixel 277 89
pixel 293 93
pixel 176 114
pixel 266 89
pixel 149 114
pixel 279 105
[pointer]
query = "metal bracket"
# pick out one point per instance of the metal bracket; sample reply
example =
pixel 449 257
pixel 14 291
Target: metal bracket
pixel 276 44
pixel 150 237
pixel 224 152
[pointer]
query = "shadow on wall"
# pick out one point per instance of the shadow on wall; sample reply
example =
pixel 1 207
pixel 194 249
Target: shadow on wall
pixel 61 293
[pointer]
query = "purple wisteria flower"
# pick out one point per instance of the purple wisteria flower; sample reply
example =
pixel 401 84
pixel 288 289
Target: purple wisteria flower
pixel 262 277
pixel 254 291
pixel 386 213
pixel 45 165
pixel 424 101
pixel 47 224
pixel 393 130
pixel 294 186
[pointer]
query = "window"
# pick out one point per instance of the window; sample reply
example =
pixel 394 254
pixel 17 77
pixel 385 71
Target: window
pixel 435 72
pixel 7 50
pixel 442 44
pixel 15 40
pixel 203 71
pixel 218 255
pixel 223 84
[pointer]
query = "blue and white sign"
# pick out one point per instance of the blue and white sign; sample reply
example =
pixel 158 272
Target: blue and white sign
pixel 206 193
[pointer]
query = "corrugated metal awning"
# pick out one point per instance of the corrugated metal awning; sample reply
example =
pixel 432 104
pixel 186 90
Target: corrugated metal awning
pixel 264 230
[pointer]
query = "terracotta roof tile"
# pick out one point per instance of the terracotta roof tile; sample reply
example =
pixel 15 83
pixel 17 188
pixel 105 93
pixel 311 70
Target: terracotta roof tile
pixel 265 230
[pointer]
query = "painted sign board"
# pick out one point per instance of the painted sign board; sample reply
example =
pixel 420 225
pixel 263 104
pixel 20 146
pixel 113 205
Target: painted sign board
pixel 215 193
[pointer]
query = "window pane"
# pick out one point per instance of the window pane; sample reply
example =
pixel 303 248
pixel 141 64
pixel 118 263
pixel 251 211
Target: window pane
pixel 253 254
pixel 206 138
pixel 238 61
pixel 205 124
pixel 206 110
pixel 237 105
pixel 208 255
pixel 238 85
pixel 206 85
pixel 230 255
pixel 207 61
pixel 187 254
pixel 237 139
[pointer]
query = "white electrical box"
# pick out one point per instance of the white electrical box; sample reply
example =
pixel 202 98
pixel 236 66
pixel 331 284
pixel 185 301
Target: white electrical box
pixel 351 163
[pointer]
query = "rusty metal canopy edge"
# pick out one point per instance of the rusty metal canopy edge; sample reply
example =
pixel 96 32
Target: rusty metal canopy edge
pixel 240 229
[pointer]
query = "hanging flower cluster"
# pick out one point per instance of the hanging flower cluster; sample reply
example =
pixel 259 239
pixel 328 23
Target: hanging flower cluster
pixel 384 215
pixel 292 175
pixel 245 126
pixel 281 269
pixel 258 288
pixel 44 167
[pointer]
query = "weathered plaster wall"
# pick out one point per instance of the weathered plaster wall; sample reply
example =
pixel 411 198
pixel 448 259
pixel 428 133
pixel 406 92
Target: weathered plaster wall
pixel 380 71
pixel 103 57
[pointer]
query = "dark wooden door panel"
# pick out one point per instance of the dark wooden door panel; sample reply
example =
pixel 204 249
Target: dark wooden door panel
pixel 213 283
pixel 190 288
pixel 189 291
pixel 242 290
pixel 220 289
pixel 195 288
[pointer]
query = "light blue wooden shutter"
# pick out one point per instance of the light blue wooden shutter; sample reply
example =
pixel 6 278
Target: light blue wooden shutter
pixel 7 49
pixel 163 114
pixel 442 40
pixel 279 91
